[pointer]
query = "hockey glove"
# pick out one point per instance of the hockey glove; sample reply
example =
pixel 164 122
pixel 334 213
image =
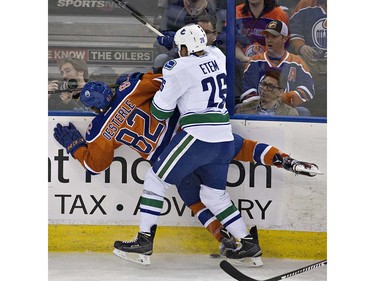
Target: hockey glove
pixel 167 40
pixel 69 137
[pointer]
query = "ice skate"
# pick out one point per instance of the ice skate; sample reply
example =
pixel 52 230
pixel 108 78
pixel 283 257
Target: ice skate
pixel 248 251
pixel 249 259
pixel 300 167
pixel 228 242
pixel 138 250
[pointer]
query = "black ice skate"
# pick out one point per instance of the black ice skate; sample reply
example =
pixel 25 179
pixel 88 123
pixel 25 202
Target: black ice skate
pixel 297 167
pixel 248 252
pixel 228 242
pixel 138 250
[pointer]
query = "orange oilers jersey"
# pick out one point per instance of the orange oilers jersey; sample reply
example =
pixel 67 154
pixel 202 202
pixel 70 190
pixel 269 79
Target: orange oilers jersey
pixel 128 121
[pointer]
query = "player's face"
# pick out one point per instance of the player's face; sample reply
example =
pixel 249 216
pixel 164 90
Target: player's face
pixel 183 52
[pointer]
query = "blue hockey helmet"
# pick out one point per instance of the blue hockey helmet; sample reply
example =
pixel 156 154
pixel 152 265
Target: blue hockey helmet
pixel 96 94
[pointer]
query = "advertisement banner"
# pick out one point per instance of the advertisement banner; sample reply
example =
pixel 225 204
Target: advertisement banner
pixel 75 197
pixel 108 56
pixel 97 8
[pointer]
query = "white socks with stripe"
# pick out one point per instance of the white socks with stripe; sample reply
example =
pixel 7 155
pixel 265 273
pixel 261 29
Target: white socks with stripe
pixel 219 203
pixel 152 201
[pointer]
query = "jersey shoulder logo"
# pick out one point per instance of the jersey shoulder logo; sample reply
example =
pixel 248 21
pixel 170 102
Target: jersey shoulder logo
pixel 170 64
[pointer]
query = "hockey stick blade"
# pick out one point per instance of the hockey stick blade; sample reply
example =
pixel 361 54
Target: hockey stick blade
pixel 138 15
pixel 238 275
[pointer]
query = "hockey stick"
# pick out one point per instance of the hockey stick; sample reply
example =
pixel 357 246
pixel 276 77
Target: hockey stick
pixel 238 275
pixel 137 14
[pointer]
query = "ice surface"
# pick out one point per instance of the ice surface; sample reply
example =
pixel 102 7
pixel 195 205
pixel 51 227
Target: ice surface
pixel 108 267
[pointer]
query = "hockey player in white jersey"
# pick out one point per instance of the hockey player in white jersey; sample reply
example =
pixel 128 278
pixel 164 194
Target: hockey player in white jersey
pixel 195 83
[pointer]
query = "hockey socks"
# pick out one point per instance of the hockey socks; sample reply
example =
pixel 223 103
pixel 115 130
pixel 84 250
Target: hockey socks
pixel 219 203
pixel 207 219
pixel 152 201
pixel 151 207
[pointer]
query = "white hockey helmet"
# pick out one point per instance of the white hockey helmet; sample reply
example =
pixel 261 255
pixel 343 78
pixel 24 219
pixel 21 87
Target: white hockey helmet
pixel 192 36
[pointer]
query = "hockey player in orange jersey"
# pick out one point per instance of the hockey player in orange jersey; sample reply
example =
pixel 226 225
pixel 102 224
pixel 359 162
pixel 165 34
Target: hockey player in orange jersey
pixel 124 118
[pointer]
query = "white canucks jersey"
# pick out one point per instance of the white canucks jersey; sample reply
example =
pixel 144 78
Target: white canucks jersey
pixel 198 87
